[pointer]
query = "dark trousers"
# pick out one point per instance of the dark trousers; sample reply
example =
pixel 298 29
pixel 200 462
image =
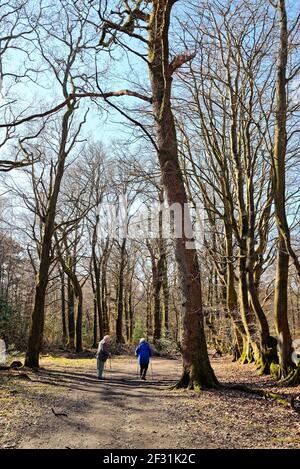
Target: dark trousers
pixel 143 369
pixel 100 368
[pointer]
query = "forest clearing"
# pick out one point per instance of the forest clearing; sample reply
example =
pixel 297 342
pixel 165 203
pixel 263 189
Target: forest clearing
pixel 123 412
pixel 149 224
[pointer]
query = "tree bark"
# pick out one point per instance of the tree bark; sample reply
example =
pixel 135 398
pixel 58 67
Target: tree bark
pixel 97 270
pixel 38 313
pixel 197 371
pixel 104 293
pixel 63 307
pixel 280 145
pixel 156 288
pixel 71 315
pixel 119 321
pixel 166 297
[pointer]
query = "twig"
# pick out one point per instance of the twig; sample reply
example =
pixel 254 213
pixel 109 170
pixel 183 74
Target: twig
pixel 58 414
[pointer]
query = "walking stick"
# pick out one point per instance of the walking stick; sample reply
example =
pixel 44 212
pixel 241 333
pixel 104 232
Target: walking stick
pixel 151 369
pixel 110 363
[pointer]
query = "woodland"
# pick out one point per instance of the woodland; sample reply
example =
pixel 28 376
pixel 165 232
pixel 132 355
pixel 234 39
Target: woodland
pixel 149 187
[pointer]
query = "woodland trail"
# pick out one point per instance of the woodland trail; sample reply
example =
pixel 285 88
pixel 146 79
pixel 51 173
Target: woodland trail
pixel 123 412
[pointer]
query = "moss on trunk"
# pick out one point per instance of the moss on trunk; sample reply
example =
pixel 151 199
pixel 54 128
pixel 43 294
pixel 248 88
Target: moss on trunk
pixel 267 356
pixel 247 353
pixel 197 378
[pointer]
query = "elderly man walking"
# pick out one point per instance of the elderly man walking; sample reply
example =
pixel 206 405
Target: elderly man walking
pixel 103 353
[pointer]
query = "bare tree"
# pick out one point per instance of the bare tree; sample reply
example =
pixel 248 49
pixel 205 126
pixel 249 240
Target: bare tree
pixel 133 16
pixel 63 70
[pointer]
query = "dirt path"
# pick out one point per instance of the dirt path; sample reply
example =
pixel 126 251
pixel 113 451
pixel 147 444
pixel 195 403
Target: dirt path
pixel 119 412
pixel 123 412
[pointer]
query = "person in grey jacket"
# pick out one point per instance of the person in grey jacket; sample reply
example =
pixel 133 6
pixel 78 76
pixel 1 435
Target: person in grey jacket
pixel 103 353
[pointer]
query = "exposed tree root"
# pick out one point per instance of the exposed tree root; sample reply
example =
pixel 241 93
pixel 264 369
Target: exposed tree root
pixel 275 371
pixel 284 400
pixel 246 358
pixel 293 378
pixel 266 356
pixel 195 381
pixel 266 365
pixel 193 385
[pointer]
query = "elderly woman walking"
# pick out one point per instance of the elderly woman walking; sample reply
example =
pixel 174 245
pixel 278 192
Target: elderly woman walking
pixel 103 353
pixel 143 352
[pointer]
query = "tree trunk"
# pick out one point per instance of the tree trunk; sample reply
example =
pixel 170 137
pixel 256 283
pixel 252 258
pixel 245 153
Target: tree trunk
pixel 95 324
pixel 69 267
pixel 95 309
pixel 79 308
pixel 238 330
pixel 104 294
pixel 38 314
pixel 166 297
pixel 126 311
pixel 96 268
pixel 63 307
pixel 131 316
pixel 280 144
pixel 156 288
pixel 245 311
pixel 149 328
pixel 197 371
pixel 119 322
pixel 71 315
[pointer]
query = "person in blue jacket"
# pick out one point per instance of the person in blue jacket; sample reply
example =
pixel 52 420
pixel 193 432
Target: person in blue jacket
pixel 143 352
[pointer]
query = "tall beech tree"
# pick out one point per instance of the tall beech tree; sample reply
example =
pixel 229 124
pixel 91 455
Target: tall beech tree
pixel 156 16
pixel 230 93
pixel 284 248
pixel 36 333
pixel 74 41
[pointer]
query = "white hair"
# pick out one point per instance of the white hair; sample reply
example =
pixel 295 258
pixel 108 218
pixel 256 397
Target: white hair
pixel 142 340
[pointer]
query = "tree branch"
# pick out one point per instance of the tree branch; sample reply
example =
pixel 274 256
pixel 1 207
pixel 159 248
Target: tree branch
pixel 180 60
pixel 78 96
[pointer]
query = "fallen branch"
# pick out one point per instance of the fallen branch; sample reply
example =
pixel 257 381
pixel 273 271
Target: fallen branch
pixel 59 414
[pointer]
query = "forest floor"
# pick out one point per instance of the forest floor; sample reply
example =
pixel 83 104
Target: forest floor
pixel 124 412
